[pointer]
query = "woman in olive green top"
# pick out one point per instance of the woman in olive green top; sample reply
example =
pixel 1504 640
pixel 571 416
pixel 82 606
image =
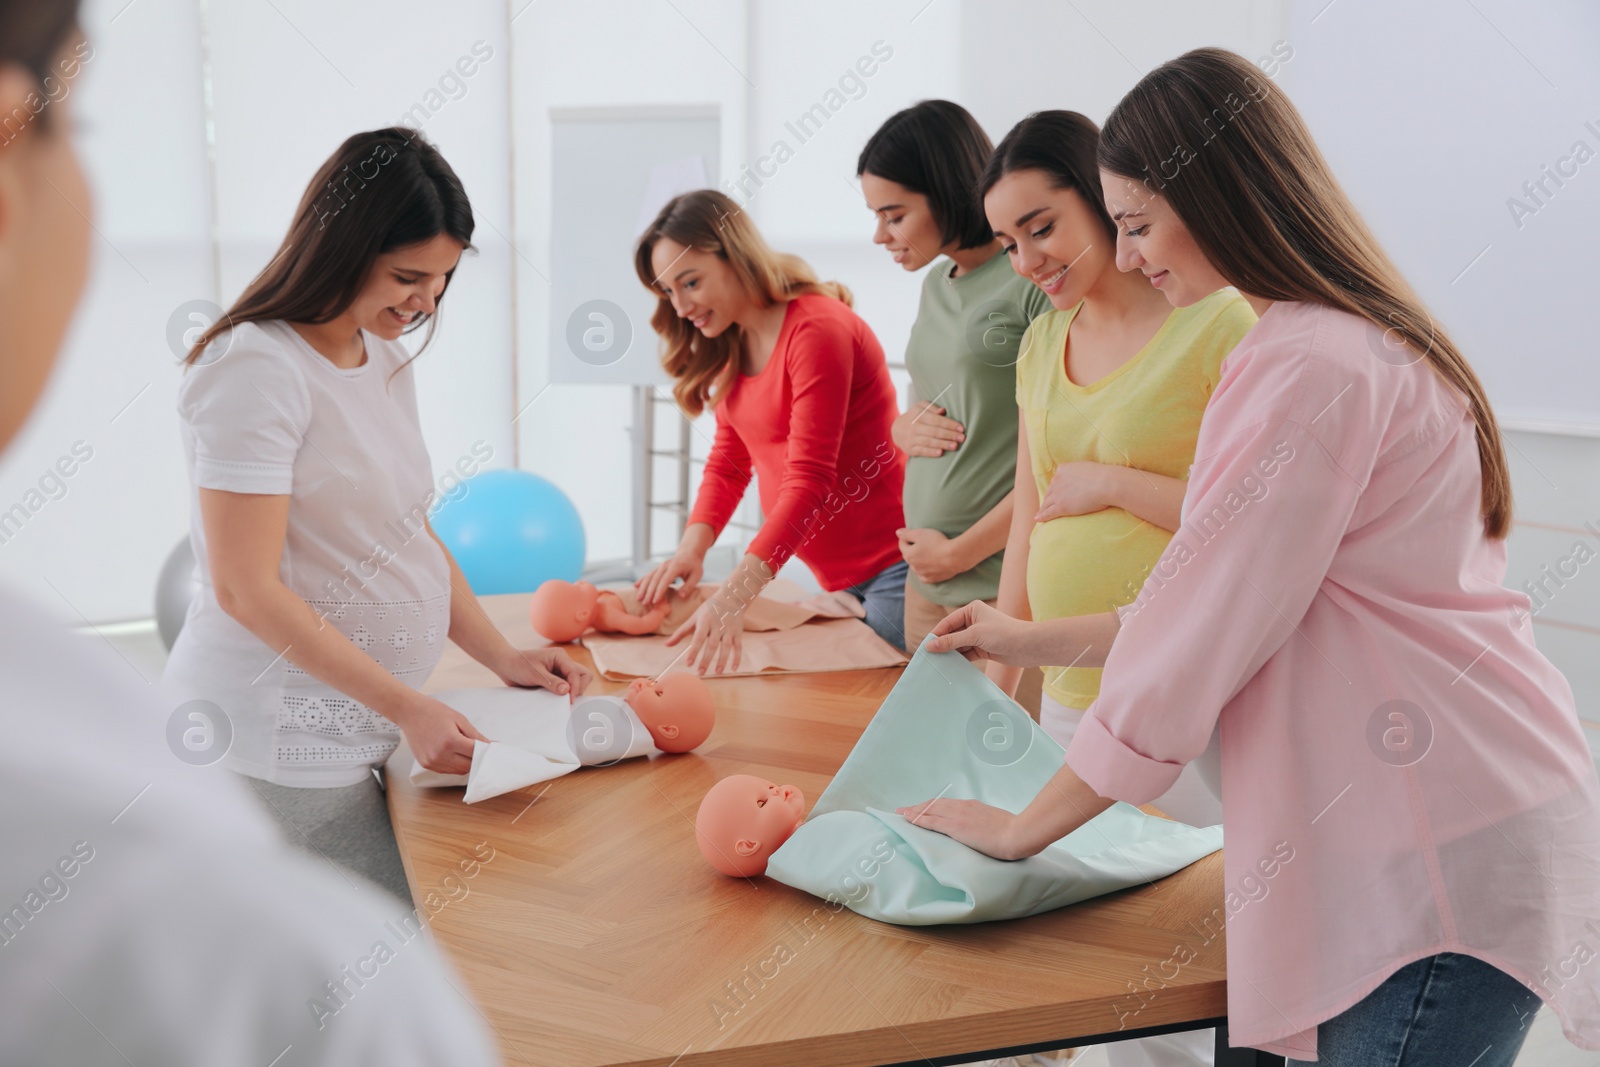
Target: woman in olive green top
pixel 918 173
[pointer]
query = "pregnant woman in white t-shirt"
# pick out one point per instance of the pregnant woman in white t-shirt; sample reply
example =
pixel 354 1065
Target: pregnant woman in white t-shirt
pixel 326 598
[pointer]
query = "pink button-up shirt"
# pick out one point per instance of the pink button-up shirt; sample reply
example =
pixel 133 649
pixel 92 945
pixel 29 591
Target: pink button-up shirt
pixel 1404 772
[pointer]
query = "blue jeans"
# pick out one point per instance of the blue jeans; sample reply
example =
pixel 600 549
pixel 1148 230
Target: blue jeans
pixel 1448 1010
pixel 884 597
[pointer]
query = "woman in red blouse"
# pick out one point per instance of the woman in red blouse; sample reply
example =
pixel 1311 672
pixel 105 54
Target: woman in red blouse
pixel 803 401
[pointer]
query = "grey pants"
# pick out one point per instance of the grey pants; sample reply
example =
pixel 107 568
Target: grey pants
pixel 348 826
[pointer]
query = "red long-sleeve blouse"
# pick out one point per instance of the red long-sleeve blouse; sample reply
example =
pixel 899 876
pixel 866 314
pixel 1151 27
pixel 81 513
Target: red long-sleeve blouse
pixel 813 427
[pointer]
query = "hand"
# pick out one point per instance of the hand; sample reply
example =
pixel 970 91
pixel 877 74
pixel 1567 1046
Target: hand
pixel 716 634
pixel 1077 488
pixel 924 431
pixel 931 555
pixel 544 668
pixel 973 823
pixel 440 737
pixel 653 587
pixel 978 631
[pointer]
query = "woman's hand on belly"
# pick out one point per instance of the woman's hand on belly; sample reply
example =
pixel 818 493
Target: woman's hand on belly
pixel 925 431
pixel 931 555
pixel 1077 488
pixel 440 737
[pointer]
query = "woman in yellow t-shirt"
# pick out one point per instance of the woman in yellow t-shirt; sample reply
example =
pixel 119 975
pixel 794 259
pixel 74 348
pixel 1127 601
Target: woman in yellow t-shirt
pixel 1111 386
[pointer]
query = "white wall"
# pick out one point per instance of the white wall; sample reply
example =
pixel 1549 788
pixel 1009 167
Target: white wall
pixel 94 552
pixel 1434 114
pixel 291 79
pixel 608 53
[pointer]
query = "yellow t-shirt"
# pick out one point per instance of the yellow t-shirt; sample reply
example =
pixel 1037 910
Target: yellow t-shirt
pixel 1145 414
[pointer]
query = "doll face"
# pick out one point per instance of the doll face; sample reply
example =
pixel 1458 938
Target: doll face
pixel 561 610
pixel 675 708
pixel 743 820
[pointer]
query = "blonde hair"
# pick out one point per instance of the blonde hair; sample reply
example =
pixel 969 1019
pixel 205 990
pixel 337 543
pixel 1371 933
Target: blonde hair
pixel 1266 210
pixel 709 221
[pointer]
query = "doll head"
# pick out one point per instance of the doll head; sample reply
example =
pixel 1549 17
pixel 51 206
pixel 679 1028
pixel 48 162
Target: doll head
pixel 675 708
pixel 743 820
pixel 561 610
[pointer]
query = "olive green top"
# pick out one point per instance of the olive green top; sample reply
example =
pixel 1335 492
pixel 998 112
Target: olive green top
pixel 962 356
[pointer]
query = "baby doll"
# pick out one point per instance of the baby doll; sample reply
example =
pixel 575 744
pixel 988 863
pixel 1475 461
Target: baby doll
pixel 743 820
pixel 562 611
pixel 675 708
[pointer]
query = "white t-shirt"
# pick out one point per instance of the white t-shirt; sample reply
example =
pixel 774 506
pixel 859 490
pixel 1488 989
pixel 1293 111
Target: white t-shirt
pixel 273 416
pixel 150 913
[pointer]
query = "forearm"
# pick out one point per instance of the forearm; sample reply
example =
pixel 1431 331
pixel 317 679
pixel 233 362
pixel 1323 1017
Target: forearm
pixel 1013 593
pixel 1070 641
pixel 985 537
pixel 698 537
pixel 288 625
pixel 1155 498
pixel 1062 806
pixel 745 584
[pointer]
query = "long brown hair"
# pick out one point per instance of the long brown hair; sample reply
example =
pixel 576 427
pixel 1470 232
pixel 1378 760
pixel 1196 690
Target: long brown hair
pixel 710 221
pixel 382 190
pixel 1234 159
pixel 31 33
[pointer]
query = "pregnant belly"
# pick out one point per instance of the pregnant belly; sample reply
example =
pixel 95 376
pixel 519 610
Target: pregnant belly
pixel 1087 564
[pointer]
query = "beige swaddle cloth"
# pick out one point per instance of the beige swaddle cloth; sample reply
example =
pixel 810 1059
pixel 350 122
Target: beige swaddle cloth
pixel 784 631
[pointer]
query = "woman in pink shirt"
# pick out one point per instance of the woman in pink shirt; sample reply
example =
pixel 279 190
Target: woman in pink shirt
pixel 1412 814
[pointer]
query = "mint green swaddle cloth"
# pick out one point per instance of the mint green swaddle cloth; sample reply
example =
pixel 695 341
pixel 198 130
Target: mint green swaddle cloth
pixel 945 730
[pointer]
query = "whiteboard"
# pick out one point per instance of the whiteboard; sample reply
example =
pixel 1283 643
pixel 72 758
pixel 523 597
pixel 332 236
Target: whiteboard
pixel 612 170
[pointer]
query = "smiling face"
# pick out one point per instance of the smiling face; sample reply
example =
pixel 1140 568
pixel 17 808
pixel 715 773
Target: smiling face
pixel 1053 236
pixel 906 225
pixel 701 286
pixel 403 284
pixel 1154 241
pixel 743 820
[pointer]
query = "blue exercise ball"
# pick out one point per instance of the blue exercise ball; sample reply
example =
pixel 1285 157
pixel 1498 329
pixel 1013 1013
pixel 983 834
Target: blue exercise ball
pixel 511 531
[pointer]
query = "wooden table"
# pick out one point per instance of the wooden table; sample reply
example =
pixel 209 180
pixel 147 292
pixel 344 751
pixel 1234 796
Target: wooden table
pixel 591 931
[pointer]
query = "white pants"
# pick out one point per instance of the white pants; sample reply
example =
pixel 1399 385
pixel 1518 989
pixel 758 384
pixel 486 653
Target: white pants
pixel 1194 800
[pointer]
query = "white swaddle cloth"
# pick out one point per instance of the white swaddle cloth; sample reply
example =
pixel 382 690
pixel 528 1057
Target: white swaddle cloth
pixel 535 736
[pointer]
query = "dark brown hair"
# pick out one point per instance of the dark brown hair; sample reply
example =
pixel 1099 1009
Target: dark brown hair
pixel 382 190
pixel 935 148
pixel 1234 159
pixel 1062 146
pixel 32 33
pixel 709 221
